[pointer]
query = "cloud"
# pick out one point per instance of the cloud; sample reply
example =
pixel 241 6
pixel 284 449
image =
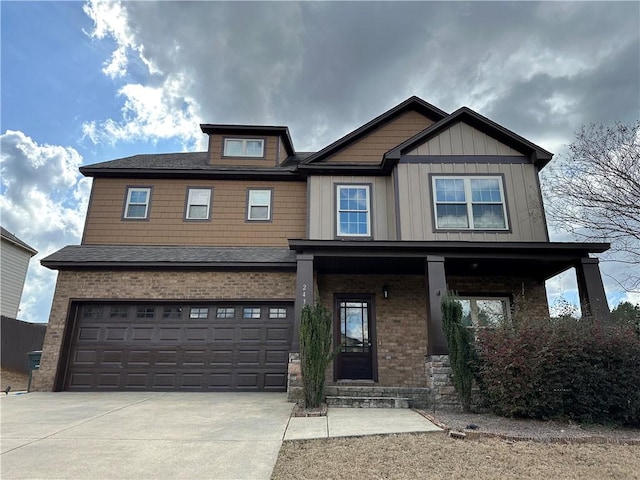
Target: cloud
pixel 43 202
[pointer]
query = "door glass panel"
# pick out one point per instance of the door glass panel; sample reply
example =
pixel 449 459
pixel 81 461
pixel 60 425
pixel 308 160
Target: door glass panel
pixel 354 327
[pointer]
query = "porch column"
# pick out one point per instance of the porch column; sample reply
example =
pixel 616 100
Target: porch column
pixel 436 288
pixel 593 300
pixel 304 294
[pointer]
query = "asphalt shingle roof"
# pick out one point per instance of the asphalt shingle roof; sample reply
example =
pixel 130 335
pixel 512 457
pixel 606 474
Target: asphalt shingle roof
pixel 171 256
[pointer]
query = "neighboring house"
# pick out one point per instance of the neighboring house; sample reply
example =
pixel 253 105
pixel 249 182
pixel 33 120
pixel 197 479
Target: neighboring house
pixel 194 267
pixel 14 262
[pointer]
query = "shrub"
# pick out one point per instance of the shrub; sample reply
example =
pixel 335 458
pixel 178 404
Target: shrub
pixel 315 351
pixel 459 342
pixel 579 370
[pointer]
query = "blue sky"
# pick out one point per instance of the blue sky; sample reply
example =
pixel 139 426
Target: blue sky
pixel 84 82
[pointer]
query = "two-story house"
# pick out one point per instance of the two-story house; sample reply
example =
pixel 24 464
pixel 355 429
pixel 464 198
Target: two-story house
pixel 194 267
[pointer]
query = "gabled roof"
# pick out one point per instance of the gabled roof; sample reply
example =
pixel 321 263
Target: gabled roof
pixel 263 130
pixel 411 104
pixel 538 155
pixel 10 237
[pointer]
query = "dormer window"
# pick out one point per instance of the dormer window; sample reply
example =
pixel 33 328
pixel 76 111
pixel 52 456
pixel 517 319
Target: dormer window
pixel 244 147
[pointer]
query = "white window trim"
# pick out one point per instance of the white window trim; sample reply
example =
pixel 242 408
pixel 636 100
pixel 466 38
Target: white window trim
pixel 468 201
pixel 339 233
pixel 128 203
pixel 244 147
pixel 191 203
pixel 251 203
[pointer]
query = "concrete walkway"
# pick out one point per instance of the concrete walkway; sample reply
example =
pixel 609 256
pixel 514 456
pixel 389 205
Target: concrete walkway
pixel 175 435
pixel 351 422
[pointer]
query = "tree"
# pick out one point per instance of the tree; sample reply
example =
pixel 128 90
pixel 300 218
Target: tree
pixel 626 313
pixel 594 192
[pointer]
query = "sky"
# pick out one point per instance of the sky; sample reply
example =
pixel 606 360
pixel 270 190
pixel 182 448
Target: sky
pixel 83 83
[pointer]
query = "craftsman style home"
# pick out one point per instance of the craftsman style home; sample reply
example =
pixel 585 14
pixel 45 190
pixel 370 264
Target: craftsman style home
pixel 194 267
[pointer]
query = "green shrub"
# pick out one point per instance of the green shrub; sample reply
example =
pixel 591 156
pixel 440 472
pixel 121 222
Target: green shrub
pixel 459 341
pixel 566 368
pixel 315 351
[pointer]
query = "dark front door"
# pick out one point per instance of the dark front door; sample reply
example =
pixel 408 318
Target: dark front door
pixel 355 337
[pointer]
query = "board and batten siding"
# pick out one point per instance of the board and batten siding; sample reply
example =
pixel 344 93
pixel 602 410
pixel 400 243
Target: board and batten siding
pixel 15 262
pixel 322 205
pixel 463 139
pixel 523 197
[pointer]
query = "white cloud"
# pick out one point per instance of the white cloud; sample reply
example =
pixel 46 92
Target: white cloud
pixel 44 202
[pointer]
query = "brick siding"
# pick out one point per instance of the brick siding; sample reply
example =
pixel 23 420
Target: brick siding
pixel 149 286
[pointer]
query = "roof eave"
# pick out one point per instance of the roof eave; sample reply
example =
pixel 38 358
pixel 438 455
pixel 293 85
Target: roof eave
pixel 229 174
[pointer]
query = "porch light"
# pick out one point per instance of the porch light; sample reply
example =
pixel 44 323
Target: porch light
pixel 385 291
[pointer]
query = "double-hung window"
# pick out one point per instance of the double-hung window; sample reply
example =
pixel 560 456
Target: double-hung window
pixel 198 204
pixel 137 205
pixel 353 211
pixel 243 147
pixel 259 205
pixel 469 203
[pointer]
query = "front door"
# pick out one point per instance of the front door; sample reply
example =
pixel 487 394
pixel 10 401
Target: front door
pixel 354 334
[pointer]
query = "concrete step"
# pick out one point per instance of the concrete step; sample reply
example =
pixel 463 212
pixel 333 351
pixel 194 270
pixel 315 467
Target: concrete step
pixel 367 402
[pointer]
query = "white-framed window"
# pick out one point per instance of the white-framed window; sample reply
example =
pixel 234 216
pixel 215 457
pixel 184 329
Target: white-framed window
pixel 137 205
pixel 353 214
pixel 259 204
pixel 485 311
pixel 251 312
pixel 469 203
pixel 198 204
pixel 243 147
pixel 277 312
pixel 199 312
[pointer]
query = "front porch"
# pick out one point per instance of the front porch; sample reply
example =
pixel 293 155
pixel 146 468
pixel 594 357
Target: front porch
pixel 385 298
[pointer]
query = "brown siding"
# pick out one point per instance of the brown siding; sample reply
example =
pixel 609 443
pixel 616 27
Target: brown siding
pixel 371 148
pixel 401 323
pixel 151 286
pixel 166 225
pixel 269 160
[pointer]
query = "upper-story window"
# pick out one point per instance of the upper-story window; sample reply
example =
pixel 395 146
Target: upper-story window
pixel 137 205
pixel 259 205
pixel 353 211
pixel 198 204
pixel 243 147
pixel 471 203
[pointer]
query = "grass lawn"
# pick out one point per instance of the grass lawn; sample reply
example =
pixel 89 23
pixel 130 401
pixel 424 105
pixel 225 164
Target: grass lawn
pixel 436 456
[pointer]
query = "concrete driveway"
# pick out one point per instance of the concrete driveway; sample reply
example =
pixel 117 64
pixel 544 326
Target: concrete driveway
pixel 141 435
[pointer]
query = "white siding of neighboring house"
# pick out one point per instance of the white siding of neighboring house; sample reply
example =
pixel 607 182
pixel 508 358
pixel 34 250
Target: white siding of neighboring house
pixel 14 262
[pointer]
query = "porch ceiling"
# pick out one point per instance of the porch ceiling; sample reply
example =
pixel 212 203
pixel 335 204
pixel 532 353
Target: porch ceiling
pixel 523 259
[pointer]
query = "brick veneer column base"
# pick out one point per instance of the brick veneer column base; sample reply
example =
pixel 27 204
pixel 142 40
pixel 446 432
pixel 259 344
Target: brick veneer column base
pixel 294 379
pixel 440 381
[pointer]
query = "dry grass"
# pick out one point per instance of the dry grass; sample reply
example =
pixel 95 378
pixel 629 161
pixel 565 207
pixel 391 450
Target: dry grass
pixel 435 456
pixel 17 380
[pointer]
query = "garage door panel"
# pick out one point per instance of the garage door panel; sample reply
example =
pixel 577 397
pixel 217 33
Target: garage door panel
pixel 201 347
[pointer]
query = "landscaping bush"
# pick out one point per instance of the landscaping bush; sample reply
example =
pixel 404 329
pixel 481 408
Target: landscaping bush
pixel 567 368
pixel 459 341
pixel 315 352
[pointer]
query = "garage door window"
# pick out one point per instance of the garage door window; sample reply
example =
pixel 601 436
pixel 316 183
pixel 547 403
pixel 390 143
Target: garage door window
pixel 92 312
pixel 145 312
pixel 199 312
pixel 251 312
pixel 118 312
pixel 172 312
pixel 225 312
pixel 277 313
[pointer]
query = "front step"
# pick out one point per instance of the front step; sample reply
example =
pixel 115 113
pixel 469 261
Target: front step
pixel 367 402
